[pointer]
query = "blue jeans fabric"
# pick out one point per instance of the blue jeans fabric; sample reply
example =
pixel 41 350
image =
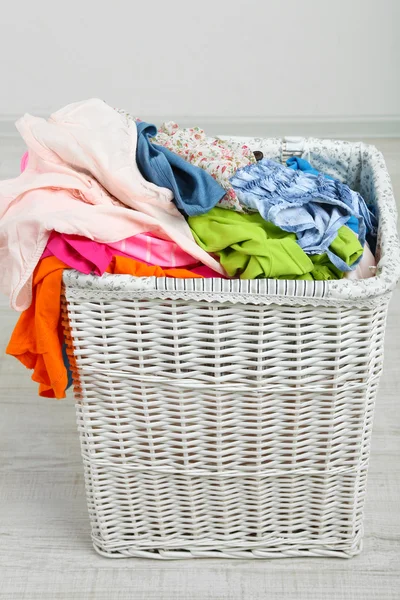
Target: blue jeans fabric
pixel 312 206
pixel 195 191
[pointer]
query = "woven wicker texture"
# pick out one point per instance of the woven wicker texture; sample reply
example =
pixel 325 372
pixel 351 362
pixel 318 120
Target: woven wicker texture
pixel 224 428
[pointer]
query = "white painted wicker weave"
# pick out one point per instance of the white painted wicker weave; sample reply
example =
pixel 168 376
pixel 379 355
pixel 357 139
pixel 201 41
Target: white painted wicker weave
pixel 232 418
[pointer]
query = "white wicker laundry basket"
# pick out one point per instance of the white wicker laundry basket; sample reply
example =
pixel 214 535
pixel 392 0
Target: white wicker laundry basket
pixel 233 418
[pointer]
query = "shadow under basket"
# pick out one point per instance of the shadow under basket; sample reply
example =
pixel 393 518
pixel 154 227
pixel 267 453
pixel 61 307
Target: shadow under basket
pixel 233 418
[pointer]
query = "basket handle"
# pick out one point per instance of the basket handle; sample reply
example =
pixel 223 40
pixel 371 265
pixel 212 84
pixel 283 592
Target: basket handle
pixel 292 145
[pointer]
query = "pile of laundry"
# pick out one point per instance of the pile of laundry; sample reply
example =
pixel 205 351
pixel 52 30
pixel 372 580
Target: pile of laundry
pixel 101 191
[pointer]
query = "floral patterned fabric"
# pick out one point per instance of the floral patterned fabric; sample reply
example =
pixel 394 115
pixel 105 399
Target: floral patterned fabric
pixel 220 158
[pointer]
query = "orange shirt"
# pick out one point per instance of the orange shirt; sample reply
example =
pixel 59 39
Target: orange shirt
pixel 38 337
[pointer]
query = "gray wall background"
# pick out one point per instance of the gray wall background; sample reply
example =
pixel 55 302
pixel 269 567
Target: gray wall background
pixel 219 63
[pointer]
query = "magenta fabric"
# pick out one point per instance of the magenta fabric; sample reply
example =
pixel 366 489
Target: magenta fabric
pixel 206 272
pixel 82 254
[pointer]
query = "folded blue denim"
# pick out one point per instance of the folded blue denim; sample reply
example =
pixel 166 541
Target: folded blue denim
pixel 301 164
pixel 311 206
pixel 195 191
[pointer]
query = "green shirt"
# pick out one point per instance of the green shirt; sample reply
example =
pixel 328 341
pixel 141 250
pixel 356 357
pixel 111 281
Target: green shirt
pixel 250 247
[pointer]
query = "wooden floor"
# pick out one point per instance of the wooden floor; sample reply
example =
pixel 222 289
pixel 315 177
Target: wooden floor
pixel 45 547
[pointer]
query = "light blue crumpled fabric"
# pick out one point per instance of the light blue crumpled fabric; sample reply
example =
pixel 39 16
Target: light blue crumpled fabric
pixel 301 164
pixel 311 206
